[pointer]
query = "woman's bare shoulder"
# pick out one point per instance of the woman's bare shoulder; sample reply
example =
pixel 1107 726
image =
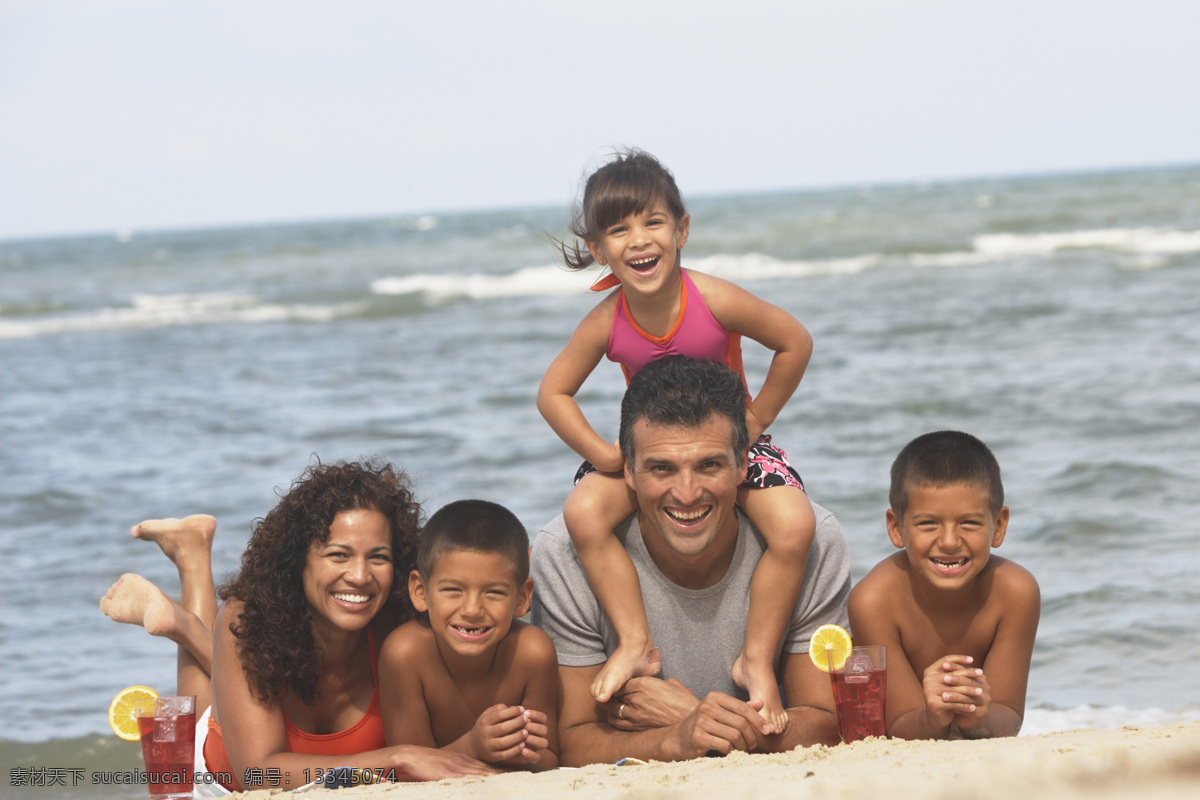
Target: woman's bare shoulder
pixel 228 614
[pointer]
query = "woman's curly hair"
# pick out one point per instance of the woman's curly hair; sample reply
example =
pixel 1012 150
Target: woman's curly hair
pixel 274 629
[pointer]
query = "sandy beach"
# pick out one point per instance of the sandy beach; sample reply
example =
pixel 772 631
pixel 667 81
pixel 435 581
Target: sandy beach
pixel 1161 762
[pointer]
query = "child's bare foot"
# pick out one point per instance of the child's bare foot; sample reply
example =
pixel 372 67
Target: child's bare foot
pixel 137 601
pixel 762 685
pixel 180 539
pixel 625 663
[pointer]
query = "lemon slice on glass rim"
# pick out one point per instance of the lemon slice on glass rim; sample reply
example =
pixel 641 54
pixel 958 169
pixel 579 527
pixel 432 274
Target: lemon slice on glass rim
pixel 123 711
pixel 829 643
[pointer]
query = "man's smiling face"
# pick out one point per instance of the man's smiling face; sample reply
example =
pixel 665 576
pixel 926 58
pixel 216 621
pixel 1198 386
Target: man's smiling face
pixel 686 480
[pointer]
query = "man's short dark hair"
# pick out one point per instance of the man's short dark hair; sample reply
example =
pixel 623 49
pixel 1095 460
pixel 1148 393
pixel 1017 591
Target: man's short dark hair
pixel 684 392
pixel 476 525
pixel 943 458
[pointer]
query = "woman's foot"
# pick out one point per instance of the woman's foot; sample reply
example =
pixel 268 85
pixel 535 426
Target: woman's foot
pixel 181 540
pixel 625 663
pixel 137 601
pixel 762 685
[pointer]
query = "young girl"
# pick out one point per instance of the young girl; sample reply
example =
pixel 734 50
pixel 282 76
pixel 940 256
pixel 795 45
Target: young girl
pixel 632 220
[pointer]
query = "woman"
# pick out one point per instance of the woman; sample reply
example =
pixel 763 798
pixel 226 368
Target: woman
pixel 288 661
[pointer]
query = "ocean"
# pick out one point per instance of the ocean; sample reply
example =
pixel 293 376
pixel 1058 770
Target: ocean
pixel 149 374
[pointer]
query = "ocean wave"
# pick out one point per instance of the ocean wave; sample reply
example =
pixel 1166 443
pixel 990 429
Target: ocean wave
pixel 756 266
pixel 1050 720
pixel 554 280
pixel 1154 244
pixel 1147 248
pixel 1140 241
pixel 529 281
pixel 149 311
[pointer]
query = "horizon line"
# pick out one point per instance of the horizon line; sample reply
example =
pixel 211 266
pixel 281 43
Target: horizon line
pixel 130 231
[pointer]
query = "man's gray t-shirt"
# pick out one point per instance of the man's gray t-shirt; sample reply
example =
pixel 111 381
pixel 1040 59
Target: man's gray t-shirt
pixel 699 633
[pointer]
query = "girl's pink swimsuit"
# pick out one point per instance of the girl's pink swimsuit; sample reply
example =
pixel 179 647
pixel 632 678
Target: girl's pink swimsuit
pixel 696 334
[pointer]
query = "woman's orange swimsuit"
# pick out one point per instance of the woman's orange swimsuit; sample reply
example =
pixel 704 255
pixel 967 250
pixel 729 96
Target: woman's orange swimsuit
pixel 362 736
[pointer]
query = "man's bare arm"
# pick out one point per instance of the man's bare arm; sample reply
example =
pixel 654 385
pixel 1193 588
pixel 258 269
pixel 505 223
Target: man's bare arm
pixel 719 722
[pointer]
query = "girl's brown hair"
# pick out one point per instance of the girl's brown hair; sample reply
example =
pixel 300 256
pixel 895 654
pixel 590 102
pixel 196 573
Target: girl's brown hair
pixel 629 184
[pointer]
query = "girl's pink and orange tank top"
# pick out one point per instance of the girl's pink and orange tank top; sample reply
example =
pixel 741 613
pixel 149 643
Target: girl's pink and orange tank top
pixel 696 333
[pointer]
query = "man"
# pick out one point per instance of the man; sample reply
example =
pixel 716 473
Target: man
pixel 683 433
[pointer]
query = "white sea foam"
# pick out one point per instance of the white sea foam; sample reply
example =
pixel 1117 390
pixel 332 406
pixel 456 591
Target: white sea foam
pixel 548 280
pixel 958 258
pixel 1147 248
pixel 1151 245
pixel 1046 720
pixel 1143 241
pixel 148 311
pixel 755 266
pixel 554 280
pixel 425 223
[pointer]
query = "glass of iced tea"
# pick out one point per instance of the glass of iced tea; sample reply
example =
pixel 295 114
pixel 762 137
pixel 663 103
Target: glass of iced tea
pixel 168 746
pixel 860 690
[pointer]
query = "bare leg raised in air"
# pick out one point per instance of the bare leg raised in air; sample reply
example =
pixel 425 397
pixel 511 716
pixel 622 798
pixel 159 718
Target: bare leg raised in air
pixel 188 623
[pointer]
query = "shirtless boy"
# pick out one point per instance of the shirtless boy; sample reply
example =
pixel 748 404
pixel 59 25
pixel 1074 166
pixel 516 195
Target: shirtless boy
pixel 466 675
pixel 958 623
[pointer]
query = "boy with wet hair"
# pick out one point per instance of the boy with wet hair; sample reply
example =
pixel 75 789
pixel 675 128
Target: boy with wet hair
pixel 959 623
pixel 466 675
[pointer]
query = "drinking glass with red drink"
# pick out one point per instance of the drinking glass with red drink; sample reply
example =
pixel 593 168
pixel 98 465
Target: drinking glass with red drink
pixel 859 690
pixel 168 746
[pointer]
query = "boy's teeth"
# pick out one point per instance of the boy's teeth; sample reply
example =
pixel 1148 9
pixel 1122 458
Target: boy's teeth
pixel 958 562
pixel 353 598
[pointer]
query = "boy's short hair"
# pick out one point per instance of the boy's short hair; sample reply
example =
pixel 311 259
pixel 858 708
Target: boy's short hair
pixel 477 525
pixel 942 458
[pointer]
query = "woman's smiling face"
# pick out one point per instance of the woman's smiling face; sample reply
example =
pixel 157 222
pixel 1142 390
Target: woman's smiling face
pixel 347 579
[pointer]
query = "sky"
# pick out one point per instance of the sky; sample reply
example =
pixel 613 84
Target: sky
pixel 140 115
